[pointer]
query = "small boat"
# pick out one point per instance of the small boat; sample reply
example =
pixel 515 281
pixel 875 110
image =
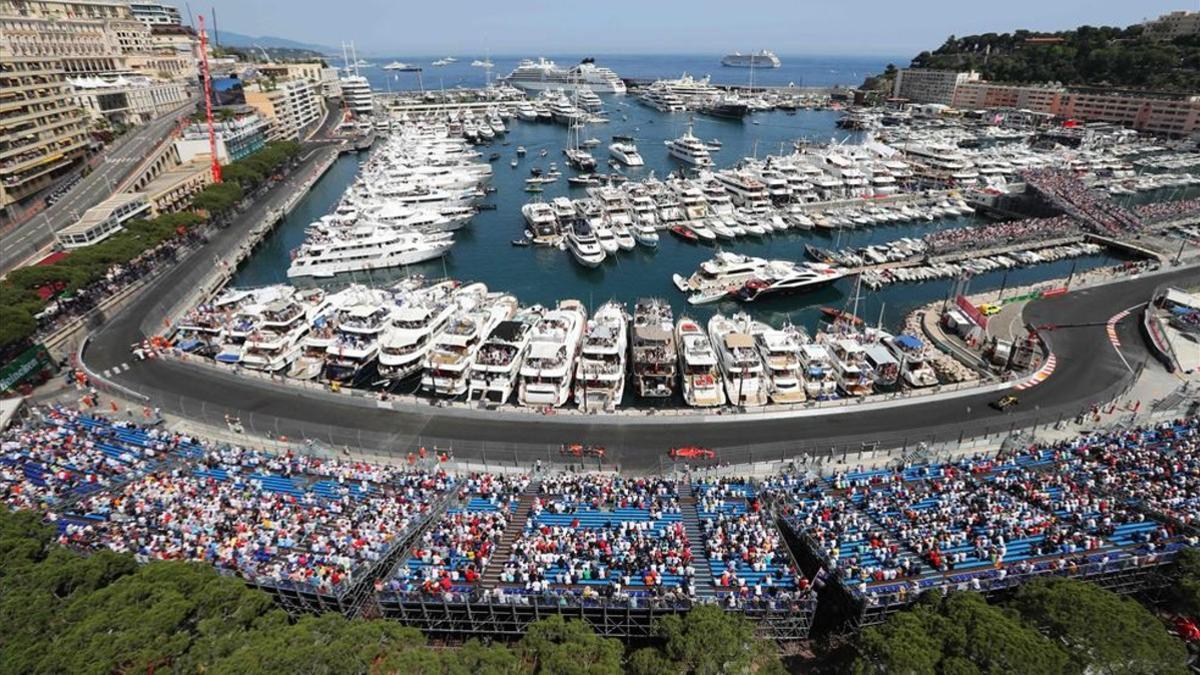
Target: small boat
pixel 705 297
pixel 493 157
pixel 590 143
pixel 684 233
pixel 714 144
pixel 486 207
pixel 583 180
pixel 543 153
pixel 835 314
pixel 520 151
pixel 521 242
pixel 534 187
pixel 513 164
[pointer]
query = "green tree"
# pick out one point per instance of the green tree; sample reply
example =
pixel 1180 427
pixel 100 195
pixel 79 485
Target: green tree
pixel 708 639
pixel 1103 631
pixel 556 645
pixel 960 633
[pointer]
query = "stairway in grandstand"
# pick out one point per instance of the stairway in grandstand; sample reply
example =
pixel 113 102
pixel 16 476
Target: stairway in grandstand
pixel 516 524
pixel 691 525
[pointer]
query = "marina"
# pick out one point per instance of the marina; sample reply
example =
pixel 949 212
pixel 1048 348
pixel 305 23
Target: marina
pixel 793 236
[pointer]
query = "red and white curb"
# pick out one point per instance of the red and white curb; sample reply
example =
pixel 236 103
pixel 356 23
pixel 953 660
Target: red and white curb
pixel 1111 328
pixel 1040 376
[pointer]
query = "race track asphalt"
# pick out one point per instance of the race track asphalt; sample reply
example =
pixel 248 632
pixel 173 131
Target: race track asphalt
pixel 1089 370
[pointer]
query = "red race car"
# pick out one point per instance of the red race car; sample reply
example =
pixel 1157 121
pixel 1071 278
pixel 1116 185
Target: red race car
pixel 691 452
pixel 580 450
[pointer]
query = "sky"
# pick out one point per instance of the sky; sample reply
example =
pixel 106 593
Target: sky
pixel 530 27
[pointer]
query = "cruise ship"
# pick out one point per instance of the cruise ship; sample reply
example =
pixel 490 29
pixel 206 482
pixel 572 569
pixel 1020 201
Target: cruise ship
pixel 366 248
pixel 761 59
pixel 545 74
pixel 498 362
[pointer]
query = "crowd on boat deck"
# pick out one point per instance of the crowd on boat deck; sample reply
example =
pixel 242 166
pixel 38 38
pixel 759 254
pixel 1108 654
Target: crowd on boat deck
pixel 1066 188
pixel 57 455
pixel 256 514
pixel 1164 210
pixel 1000 234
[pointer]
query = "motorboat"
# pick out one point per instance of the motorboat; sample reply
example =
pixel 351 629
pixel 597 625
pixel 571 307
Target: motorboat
pixel 600 370
pixel 583 245
pixel 739 359
pixel 549 366
pixel 703 384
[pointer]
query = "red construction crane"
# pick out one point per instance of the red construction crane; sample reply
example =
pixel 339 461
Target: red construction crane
pixel 212 133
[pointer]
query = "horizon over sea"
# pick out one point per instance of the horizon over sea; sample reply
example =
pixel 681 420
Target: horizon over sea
pixel 798 70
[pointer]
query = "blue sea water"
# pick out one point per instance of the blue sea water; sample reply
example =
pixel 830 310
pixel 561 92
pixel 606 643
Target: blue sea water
pixel 801 71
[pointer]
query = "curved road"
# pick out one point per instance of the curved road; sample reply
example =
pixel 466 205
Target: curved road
pixel 1089 370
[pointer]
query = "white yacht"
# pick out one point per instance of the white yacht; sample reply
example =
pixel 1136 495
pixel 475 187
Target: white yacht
pixel 626 153
pixel 275 344
pixel 366 248
pixel 747 191
pixel 780 352
pixel 849 364
pixel 725 272
pixel 498 362
pixel 600 371
pixel 820 380
pixel 740 362
pixel 689 149
pixel 549 364
pixel 583 245
pixel 542 220
pixel 545 74
pixel 653 355
pixel 356 336
pixel 450 358
pixel 910 351
pixel 414 324
pixel 703 385
pixel 662 100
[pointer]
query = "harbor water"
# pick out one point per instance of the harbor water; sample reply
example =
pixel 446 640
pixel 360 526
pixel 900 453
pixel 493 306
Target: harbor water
pixel 483 250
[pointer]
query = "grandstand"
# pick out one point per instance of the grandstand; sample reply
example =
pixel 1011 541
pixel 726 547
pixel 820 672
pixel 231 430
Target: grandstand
pixel 1067 192
pixel 489 554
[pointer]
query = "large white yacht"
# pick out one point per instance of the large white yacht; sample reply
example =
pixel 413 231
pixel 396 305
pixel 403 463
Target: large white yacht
pixel 498 362
pixel 725 272
pixel 849 364
pixel 583 245
pixel 359 324
pixel 780 352
pixel 450 358
pixel 275 344
pixel 703 385
pixel 739 359
pixel 689 149
pixel 600 371
pixel 910 351
pixel 653 357
pixel 545 74
pixel 626 152
pixel 549 364
pixel 366 248
pixel 415 323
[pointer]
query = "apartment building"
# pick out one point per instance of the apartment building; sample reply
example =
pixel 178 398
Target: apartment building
pixel 323 79
pixel 43 131
pixel 128 100
pixel 155 14
pixel 923 85
pixel 1166 114
pixel 1172 25
pixel 237 137
pixel 290 107
pixel 90 37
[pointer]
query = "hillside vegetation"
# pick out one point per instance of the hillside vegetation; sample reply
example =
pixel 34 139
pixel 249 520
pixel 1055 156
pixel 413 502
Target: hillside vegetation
pixel 1088 55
